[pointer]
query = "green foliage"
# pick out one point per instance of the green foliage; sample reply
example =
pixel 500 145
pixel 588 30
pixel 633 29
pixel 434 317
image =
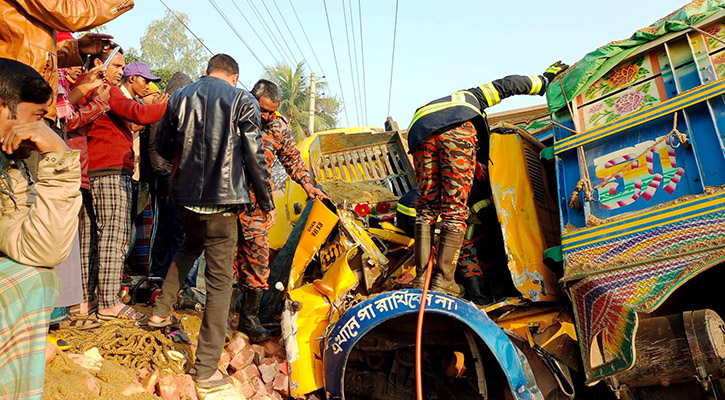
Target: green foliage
pixel 295 104
pixel 166 48
pixel 131 55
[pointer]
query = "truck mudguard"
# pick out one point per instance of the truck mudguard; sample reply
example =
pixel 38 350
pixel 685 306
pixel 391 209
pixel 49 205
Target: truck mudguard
pixel 362 318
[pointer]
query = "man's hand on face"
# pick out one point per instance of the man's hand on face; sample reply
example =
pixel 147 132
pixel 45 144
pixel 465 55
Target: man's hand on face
pixel 95 43
pixel 313 192
pixel 34 136
pixel 270 217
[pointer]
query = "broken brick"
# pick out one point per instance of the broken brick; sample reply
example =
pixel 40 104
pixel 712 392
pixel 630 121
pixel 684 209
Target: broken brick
pixel 92 385
pixel 237 345
pixel 273 348
pixel 86 362
pixel 244 387
pixel 257 384
pixel 132 389
pixel 268 371
pixel 281 384
pixel 94 354
pixel 283 367
pixel 247 373
pixel 149 383
pixel 185 384
pixel 241 360
pixel 142 373
pixel 261 352
pixel 168 389
pixel 224 360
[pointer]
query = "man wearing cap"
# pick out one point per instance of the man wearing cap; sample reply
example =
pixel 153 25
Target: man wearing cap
pixel 135 84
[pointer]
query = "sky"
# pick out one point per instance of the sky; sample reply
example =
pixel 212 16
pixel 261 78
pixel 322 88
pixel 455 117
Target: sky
pixel 440 46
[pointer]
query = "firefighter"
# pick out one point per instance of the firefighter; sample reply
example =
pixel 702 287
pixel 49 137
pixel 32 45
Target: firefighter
pixel 482 231
pixel 448 138
pixel 252 260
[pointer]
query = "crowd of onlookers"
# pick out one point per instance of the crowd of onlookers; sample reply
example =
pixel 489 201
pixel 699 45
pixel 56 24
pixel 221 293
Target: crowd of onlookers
pixel 101 174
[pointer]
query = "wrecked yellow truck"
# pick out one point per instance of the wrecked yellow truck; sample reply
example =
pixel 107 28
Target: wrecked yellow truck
pixel 347 318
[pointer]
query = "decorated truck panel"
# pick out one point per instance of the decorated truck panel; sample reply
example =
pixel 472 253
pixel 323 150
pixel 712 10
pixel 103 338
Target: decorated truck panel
pixel 640 163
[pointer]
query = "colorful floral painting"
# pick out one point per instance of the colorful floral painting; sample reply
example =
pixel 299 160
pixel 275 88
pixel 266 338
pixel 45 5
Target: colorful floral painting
pixel 718 62
pixel 627 102
pixel 718 31
pixel 619 78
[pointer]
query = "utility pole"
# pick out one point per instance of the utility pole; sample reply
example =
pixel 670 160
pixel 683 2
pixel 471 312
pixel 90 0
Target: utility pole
pixel 311 122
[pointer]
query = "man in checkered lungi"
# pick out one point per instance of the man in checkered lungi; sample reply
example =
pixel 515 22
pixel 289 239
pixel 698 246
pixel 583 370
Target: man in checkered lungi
pixel 110 166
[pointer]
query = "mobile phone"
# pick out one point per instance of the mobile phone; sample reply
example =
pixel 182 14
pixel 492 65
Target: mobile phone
pixel 110 57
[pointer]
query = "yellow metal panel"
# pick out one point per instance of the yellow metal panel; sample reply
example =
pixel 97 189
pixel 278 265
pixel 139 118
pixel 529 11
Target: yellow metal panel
pixel 280 231
pixel 312 320
pixel 516 210
pixel 320 223
pixel 392 237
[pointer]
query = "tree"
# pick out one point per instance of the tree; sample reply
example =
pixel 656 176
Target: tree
pixel 295 104
pixel 167 49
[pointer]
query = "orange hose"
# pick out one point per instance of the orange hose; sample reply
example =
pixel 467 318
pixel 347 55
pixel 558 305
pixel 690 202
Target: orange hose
pixel 419 330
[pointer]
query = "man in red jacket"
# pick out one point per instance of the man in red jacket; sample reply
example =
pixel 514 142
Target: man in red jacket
pixel 110 166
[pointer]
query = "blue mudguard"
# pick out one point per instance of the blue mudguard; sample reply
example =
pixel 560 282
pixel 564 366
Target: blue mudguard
pixel 362 318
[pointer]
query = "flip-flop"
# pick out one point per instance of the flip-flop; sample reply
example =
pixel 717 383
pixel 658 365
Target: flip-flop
pixel 126 314
pixel 80 324
pixel 168 321
pixel 58 342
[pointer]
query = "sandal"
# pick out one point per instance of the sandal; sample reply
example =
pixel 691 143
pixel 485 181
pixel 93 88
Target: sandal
pixel 168 321
pixel 58 342
pixel 127 313
pixel 79 324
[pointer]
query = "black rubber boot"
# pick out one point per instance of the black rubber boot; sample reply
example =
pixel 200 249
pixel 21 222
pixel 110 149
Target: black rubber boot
pixel 248 321
pixel 449 249
pixel 476 290
pixel 423 246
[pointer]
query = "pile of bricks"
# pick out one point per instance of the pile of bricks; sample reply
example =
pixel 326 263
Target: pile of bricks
pixel 259 370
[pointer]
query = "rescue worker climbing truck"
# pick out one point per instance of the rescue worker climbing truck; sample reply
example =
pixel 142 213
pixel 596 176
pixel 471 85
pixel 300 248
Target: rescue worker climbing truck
pixel 443 138
pixel 613 237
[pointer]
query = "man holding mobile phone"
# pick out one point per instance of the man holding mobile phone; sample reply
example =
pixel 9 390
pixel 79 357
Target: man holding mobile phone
pixel 110 169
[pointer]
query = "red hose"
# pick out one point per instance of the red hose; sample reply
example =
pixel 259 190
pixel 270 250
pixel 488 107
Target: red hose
pixel 419 330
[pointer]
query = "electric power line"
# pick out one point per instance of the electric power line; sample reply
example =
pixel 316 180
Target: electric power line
pixel 362 55
pixel 307 38
pixel 352 72
pixel 187 28
pixel 255 31
pixel 284 20
pixel 268 30
pixel 279 31
pixel 337 69
pixel 195 36
pixel 221 14
pixel 357 70
pixel 392 60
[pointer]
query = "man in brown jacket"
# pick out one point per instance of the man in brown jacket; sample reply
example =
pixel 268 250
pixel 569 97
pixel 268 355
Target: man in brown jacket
pixel 37 224
pixel 28 33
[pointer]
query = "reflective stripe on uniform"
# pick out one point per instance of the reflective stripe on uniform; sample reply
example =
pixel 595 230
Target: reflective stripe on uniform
pixel 409 211
pixel 536 84
pixel 469 232
pixel 491 94
pixel 481 205
pixel 431 108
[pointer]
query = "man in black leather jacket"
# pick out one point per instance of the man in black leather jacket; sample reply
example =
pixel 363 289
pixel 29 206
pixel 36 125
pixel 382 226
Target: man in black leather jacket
pixel 211 132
